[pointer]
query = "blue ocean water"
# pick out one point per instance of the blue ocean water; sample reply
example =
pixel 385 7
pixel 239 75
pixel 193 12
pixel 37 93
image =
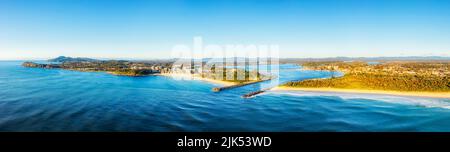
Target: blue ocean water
pixel 61 100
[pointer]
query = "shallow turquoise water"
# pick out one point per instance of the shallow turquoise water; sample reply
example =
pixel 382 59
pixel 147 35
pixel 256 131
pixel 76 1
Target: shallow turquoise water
pixel 61 100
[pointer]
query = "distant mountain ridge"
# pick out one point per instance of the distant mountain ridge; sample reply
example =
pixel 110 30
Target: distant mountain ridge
pixel 406 58
pixel 413 58
pixel 70 59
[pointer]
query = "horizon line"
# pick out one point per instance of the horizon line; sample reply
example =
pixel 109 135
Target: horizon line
pixel 132 58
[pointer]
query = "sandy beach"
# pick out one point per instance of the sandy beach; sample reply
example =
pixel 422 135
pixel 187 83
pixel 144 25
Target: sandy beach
pixel 399 93
pixel 196 77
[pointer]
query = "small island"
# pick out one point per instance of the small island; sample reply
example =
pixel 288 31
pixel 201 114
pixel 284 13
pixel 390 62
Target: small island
pixel 410 78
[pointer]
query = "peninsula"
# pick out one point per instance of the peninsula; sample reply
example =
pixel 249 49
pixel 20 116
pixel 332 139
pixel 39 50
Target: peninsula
pixel 116 67
pixel 210 73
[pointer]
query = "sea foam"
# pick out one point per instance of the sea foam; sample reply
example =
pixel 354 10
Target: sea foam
pixel 407 100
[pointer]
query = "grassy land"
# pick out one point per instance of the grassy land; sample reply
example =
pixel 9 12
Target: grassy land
pixel 392 76
pixel 379 82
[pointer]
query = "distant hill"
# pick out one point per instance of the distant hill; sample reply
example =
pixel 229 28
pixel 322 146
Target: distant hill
pixel 410 58
pixel 70 59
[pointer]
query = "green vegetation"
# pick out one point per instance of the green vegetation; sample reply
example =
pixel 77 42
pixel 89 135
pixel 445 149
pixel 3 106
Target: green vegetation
pixel 233 75
pixel 395 76
pixel 379 82
pixel 131 72
pixel 117 67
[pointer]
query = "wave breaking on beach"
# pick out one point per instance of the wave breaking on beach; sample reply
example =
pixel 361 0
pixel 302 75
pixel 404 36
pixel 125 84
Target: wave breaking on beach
pixel 406 100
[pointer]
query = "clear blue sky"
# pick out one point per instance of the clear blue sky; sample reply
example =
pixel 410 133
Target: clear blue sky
pixel 149 28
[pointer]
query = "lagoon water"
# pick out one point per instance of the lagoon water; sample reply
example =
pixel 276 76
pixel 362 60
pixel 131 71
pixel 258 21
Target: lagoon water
pixel 60 100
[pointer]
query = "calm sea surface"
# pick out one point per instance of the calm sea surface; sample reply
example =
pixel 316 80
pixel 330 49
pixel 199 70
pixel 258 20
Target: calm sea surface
pixel 61 100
